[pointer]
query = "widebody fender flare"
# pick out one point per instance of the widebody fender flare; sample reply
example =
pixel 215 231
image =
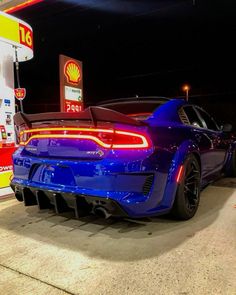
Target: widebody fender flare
pixel 186 148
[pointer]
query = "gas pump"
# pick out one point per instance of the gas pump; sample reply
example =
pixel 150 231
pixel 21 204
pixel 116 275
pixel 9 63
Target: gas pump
pixel 15 36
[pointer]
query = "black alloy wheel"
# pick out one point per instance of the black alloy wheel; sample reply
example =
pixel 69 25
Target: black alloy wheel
pixel 188 191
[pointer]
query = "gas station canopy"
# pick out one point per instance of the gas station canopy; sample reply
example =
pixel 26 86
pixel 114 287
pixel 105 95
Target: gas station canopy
pixel 10 6
pixel 16 32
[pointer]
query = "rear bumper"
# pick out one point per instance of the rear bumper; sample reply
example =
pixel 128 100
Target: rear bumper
pixel 129 185
pixel 82 200
pixel 61 201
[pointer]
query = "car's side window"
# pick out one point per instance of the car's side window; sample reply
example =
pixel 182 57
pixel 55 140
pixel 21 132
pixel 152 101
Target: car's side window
pixel 193 118
pixel 210 123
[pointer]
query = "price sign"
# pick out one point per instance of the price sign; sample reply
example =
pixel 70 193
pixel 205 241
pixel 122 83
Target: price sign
pixel 73 106
pixel 71 85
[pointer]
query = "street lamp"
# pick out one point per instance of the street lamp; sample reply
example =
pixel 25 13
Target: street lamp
pixel 186 89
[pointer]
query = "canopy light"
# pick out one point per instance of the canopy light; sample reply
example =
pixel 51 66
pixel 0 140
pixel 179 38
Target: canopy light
pixel 22 5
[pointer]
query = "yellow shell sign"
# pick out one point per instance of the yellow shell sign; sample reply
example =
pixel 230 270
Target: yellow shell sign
pixel 16 32
pixel 72 72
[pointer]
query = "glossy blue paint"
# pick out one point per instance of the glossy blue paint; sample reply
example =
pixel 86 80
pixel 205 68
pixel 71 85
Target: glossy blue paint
pixel 83 168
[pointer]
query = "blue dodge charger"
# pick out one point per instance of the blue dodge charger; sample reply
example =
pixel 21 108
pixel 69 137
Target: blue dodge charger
pixel 130 157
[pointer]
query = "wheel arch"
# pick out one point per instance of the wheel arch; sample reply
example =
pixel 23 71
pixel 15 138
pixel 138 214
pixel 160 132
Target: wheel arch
pixel 185 149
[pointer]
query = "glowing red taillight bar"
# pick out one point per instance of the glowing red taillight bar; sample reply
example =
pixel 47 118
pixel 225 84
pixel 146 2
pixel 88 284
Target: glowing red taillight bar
pixel 106 138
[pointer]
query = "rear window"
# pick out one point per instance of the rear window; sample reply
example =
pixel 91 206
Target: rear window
pixel 137 110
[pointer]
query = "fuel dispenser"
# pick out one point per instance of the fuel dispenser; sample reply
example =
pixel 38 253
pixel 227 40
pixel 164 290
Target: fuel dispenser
pixel 16 39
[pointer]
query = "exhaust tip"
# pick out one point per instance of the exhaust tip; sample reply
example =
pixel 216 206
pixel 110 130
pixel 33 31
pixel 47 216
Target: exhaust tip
pixel 101 212
pixel 18 193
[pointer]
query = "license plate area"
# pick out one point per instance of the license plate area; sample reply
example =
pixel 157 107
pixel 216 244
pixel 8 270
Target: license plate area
pixel 54 174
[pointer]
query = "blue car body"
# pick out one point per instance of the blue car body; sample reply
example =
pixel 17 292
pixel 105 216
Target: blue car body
pixel 79 173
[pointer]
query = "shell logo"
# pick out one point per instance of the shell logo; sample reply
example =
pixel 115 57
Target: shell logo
pixel 72 72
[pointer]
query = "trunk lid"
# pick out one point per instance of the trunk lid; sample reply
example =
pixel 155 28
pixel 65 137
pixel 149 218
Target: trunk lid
pixel 90 135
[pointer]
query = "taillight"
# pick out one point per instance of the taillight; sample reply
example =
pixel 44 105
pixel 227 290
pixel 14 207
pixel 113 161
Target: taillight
pixel 124 139
pixel 107 138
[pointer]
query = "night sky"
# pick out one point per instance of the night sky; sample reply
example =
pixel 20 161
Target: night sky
pixel 132 47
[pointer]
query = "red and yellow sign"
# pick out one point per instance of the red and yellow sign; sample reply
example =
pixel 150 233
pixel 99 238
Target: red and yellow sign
pixel 71 85
pixel 26 36
pixel 20 93
pixel 72 72
pixel 15 31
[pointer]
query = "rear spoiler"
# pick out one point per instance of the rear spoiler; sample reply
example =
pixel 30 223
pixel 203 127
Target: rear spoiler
pixel 93 114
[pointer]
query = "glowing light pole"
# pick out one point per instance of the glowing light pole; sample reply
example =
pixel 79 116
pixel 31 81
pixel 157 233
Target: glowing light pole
pixel 186 89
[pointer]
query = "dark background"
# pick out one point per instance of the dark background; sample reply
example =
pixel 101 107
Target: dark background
pixel 131 47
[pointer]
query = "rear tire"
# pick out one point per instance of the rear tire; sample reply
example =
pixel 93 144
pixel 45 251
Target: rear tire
pixel 188 192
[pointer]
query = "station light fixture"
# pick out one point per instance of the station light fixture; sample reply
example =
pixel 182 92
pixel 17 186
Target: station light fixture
pixel 21 5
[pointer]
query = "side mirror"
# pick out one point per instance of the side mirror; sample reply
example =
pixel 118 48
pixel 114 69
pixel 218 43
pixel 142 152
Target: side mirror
pixel 226 128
